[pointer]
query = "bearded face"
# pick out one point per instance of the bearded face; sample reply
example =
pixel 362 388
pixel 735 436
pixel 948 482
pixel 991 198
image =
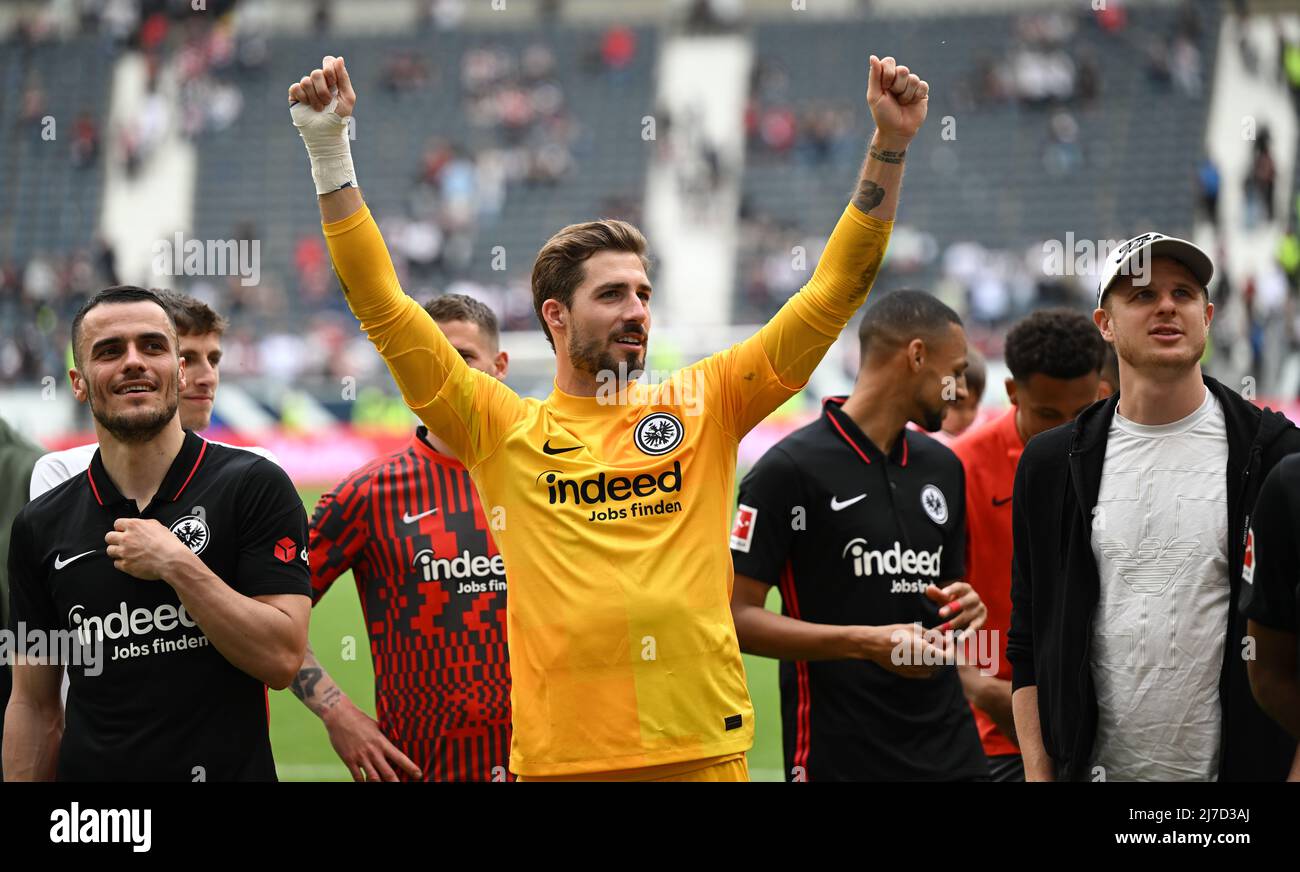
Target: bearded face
pixel 608 327
pixel 129 370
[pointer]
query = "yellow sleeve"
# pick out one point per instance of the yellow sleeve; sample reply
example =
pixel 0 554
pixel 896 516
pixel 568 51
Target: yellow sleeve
pixel 469 410
pixel 748 381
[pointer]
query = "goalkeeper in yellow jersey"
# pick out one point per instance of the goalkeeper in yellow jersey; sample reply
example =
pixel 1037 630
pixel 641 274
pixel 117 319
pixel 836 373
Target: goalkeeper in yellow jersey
pixel 611 507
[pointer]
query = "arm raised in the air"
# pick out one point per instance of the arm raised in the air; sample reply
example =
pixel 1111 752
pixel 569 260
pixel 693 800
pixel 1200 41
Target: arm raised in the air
pixel 467 409
pixel 798 337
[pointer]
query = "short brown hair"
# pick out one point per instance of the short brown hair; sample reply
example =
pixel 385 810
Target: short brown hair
pixel 115 294
pixel 559 269
pixel 193 317
pixel 459 307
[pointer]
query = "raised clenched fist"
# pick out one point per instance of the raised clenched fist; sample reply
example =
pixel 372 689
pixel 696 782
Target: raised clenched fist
pixel 897 97
pixel 323 86
pixel 320 105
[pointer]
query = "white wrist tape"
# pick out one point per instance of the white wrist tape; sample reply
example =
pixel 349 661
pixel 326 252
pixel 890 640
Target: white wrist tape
pixel 325 134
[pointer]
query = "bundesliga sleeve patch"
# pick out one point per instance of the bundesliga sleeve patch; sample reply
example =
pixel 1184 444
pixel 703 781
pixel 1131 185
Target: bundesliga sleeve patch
pixel 742 533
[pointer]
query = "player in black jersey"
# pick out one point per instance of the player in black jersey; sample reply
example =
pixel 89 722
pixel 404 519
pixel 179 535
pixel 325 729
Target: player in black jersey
pixel 179 568
pixel 860 522
pixel 1270 597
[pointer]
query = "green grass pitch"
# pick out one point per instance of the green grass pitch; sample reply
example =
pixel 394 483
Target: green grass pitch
pixel 302 748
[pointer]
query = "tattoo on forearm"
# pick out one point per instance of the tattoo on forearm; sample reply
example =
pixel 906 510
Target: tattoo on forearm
pixel 869 195
pixel 330 699
pixel 884 155
pixel 304 683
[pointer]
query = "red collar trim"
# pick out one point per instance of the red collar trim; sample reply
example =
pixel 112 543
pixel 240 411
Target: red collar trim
pixel 203 449
pixel 94 489
pixel 839 402
pixel 852 444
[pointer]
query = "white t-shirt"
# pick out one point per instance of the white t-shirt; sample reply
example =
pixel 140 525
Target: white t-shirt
pixel 1160 538
pixel 55 468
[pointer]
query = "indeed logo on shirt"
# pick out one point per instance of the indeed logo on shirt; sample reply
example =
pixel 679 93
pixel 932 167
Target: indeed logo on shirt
pixel 893 561
pixel 126 623
pixel 465 565
pixel 123 623
pixel 603 488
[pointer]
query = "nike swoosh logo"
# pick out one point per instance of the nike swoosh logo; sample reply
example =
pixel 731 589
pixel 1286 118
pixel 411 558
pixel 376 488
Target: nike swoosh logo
pixel 411 519
pixel 549 450
pixel 59 563
pixel 998 502
pixel 836 505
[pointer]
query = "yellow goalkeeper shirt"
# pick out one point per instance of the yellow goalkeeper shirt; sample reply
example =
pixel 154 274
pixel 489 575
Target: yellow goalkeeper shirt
pixel 612 512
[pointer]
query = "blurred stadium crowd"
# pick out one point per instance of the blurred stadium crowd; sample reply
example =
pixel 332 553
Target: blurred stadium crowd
pixel 497 134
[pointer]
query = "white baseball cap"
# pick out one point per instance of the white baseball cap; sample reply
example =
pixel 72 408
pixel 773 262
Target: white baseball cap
pixel 1149 246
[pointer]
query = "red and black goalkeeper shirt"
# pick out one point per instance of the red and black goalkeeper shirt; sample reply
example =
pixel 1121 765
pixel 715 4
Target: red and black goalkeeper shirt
pixel 432 584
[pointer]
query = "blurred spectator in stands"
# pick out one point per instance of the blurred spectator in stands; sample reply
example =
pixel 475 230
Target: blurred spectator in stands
pixel 1063 154
pixel 618 49
pixel 140 135
pixel 85 141
pixel 1087 84
pixel 548 163
pixel 420 244
pixel 1291 64
pixel 105 260
pixel 491 166
pixel 825 133
pixel 1208 180
pixel 459 189
pixel 1270 291
pixel 549 13
pixel 538 64
pixel 1246 50
pixel 33 109
pixel 768 80
pixel 1185 66
pixel 1261 178
pixel 1189 24
pixel 1288 257
pixel 445 15
pixel 40 281
pixel 437 154
pixel 1157 62
pixel 119 18
pixel 776 129
pixel 994 89
pixel 322 16
pixel 1111 17
pixel 405 72
pixel 711 16
pixel 88 15
pixel 151 33
pixel 311 265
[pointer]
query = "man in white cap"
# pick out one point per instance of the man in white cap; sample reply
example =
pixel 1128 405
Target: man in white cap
pixel 1127 648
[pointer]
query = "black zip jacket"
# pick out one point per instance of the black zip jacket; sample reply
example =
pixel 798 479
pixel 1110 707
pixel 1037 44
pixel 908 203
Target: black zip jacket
pixel 1055 587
